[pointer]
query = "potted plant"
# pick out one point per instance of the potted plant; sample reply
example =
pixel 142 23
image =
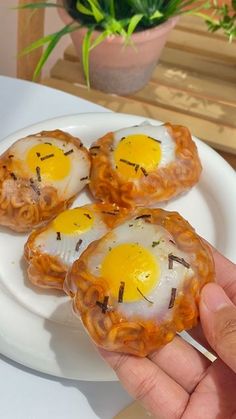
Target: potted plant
pixel 119 41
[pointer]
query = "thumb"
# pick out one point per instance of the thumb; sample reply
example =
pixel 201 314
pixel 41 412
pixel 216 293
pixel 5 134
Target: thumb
pixel 218 319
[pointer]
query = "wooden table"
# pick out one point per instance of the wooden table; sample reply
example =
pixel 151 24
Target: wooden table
pixel 194 84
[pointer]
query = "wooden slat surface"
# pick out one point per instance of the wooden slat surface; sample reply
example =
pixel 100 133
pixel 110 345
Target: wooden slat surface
pixel 202 45
pixel 194 84
pixel 30 27
pixel 198 64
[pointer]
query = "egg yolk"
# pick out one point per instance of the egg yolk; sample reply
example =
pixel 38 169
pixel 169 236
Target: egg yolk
pixel 74 221
pixel 48 161
pixel 136 155
pixel 133 267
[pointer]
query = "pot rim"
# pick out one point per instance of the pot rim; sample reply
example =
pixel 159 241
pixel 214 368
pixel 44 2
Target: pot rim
pixel 141 36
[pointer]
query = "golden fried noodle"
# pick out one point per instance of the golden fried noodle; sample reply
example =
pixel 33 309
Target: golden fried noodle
pixel 40 176
pixel 139 285
pixel 143 165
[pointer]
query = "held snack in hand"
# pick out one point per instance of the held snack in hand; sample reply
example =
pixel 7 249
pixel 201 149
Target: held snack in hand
pixel 40 175
pixel 144 164
pixel 139 285
pixel 51 249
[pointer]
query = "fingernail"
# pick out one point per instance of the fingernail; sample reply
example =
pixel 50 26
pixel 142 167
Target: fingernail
pixel 214 297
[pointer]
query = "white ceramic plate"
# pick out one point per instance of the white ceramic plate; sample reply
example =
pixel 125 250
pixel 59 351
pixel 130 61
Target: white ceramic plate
pixel 37 328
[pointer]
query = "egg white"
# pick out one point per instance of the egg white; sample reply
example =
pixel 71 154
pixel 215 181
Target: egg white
pixel 67 187
pixel 145 234
pixel 65 249
pixel 158 132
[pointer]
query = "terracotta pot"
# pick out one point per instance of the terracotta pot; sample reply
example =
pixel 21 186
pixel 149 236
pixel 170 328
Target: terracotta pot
pixel 121 69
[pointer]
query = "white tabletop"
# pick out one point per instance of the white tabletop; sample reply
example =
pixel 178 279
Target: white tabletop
pixel 27 394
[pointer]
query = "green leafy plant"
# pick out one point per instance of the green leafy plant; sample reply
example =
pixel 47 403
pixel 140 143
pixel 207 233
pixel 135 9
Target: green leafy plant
pixel 124 17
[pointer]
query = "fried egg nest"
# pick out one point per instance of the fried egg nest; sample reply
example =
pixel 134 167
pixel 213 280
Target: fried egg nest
pixel 156 186
pixel 99 309
pixel 24 203
pixel 48 271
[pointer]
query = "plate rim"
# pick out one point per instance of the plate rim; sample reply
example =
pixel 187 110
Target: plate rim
pixel 111 113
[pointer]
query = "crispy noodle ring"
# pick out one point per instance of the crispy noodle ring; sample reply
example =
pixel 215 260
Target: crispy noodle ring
pixel 159 185
pixel 22 206
pixel 44 270
pixel 110 329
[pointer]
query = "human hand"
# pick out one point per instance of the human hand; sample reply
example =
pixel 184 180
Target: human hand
pixel 178 381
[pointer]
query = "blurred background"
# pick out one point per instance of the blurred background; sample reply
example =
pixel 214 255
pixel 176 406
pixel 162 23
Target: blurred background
pixel 8 37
